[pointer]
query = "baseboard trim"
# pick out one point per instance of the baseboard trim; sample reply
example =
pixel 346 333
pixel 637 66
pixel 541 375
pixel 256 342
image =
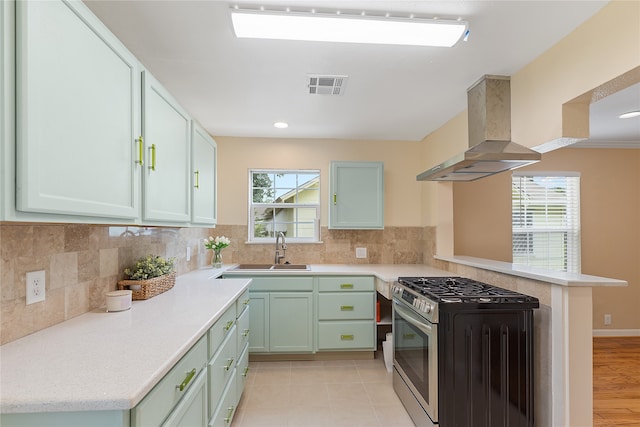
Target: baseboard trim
pixel 616 332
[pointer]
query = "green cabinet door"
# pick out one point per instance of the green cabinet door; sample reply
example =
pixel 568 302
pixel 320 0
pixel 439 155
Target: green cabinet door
pixel 290 322
pixel 356 199
pixel 77 114
pixel 259 322
pixel 7 104
pixel 166 128
pixel 204 178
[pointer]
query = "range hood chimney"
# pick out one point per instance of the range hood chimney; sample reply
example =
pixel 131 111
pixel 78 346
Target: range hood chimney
pixel 491 150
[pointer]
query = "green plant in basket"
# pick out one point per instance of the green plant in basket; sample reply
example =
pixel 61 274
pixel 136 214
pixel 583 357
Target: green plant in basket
pixel 149 267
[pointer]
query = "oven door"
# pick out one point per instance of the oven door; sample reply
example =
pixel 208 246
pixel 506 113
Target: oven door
pixel 415 355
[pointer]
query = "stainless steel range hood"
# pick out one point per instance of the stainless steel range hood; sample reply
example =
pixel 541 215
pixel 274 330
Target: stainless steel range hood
pixel 491 150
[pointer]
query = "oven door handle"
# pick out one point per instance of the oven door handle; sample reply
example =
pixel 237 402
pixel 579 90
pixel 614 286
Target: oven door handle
pixel 412 318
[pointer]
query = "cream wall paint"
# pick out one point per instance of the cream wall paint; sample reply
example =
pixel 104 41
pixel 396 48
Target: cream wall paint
pixel 438 147
pixel 402 162
pixel 610 230
pixel 604 47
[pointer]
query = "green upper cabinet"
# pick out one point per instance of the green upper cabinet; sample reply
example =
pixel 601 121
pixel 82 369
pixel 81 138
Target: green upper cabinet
pixel 166 128
pixel 204 179
pixel 77 114
pixel 7 103
pixel 356 199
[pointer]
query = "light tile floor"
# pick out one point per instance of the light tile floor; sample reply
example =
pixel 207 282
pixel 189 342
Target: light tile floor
pixel 333 393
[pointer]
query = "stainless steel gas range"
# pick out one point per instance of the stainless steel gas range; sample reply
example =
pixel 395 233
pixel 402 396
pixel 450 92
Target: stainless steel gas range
pixel 463 352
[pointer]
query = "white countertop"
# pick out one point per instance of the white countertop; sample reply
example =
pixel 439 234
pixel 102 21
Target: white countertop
pixel 385 272
pixel 110 361
pixel 553 277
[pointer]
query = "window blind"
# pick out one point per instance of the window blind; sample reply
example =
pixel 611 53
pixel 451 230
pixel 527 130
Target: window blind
pixel 546 220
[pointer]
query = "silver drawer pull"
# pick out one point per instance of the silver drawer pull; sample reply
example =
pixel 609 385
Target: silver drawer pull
pixel 245 333
pixel 246 372
pixel 228 325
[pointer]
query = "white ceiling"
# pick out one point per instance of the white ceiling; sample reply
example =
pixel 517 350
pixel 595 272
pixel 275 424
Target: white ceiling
pixel 240 87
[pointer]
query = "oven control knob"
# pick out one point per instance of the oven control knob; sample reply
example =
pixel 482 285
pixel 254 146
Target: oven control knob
pixel 427 308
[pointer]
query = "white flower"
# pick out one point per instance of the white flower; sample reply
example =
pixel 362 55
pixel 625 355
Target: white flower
pixel 218 243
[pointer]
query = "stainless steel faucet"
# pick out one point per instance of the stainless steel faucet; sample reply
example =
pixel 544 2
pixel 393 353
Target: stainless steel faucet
pixel 283 247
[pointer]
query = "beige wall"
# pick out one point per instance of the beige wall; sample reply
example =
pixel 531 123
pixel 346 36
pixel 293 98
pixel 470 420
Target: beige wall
pixel 402 163
pixel 598 52
pixel 610 223
pixel 601 49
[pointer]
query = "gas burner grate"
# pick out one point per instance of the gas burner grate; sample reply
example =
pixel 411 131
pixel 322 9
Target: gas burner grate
pixel 462 290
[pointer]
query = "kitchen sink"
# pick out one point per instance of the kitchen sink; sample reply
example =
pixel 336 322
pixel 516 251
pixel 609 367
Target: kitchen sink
pixel 290 267
pixel 253 267
pixel 263 267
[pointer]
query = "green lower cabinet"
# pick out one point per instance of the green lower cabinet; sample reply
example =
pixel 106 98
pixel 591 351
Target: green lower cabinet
pixel 259 322
pixel 224 412
pixel 242 369
pixel 67 419
pixel 351 335
pixel 281 314
pixel 291 322
pixel 159 405
pixel 192 410
pixel 346 313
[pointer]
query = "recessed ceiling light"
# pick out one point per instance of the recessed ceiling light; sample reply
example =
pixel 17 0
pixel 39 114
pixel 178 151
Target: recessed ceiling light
pixel 629 114
pixel 281 125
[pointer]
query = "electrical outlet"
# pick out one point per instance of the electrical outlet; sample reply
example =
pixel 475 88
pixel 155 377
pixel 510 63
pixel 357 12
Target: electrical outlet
pixel 361 252
pixel 188 253
pixel 607 319
pixel 35 287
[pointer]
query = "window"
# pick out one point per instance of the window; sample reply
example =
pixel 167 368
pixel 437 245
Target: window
pixel 285 201
pixel 546 220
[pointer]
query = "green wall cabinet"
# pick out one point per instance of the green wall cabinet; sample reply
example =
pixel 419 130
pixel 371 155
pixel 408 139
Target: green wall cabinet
pixel 204 209
pixel 356 199
pixel 167 131
pixel 77 112
pixel 96 138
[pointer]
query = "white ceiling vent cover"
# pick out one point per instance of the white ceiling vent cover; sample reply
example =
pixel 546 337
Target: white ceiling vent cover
pixel 326 85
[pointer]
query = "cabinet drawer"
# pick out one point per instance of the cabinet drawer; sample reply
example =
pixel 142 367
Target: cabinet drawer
pixel 242 303
pixel 290 284
pixel 224 412
pixel 192 410
pixel 346 284
pixel 346 335
pixel 242 373
pixel 155 407
pixel 339 306
pixel 243 330
pixel 219 331
pixel 221 367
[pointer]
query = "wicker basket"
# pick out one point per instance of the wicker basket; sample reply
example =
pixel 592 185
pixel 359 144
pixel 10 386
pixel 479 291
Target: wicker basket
pixel 149 288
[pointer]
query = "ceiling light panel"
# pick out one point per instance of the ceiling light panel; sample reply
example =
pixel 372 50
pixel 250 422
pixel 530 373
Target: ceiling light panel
pixel 346 28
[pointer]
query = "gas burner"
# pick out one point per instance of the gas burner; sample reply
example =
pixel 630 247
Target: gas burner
pixel 456 290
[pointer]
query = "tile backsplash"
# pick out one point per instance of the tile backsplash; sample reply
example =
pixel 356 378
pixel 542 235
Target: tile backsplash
pixel 82 262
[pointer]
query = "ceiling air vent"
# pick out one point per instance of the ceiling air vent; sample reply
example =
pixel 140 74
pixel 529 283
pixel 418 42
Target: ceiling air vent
pixel 326 85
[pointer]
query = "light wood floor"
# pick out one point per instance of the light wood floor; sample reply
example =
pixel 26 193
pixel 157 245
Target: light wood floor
pixel 616 381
